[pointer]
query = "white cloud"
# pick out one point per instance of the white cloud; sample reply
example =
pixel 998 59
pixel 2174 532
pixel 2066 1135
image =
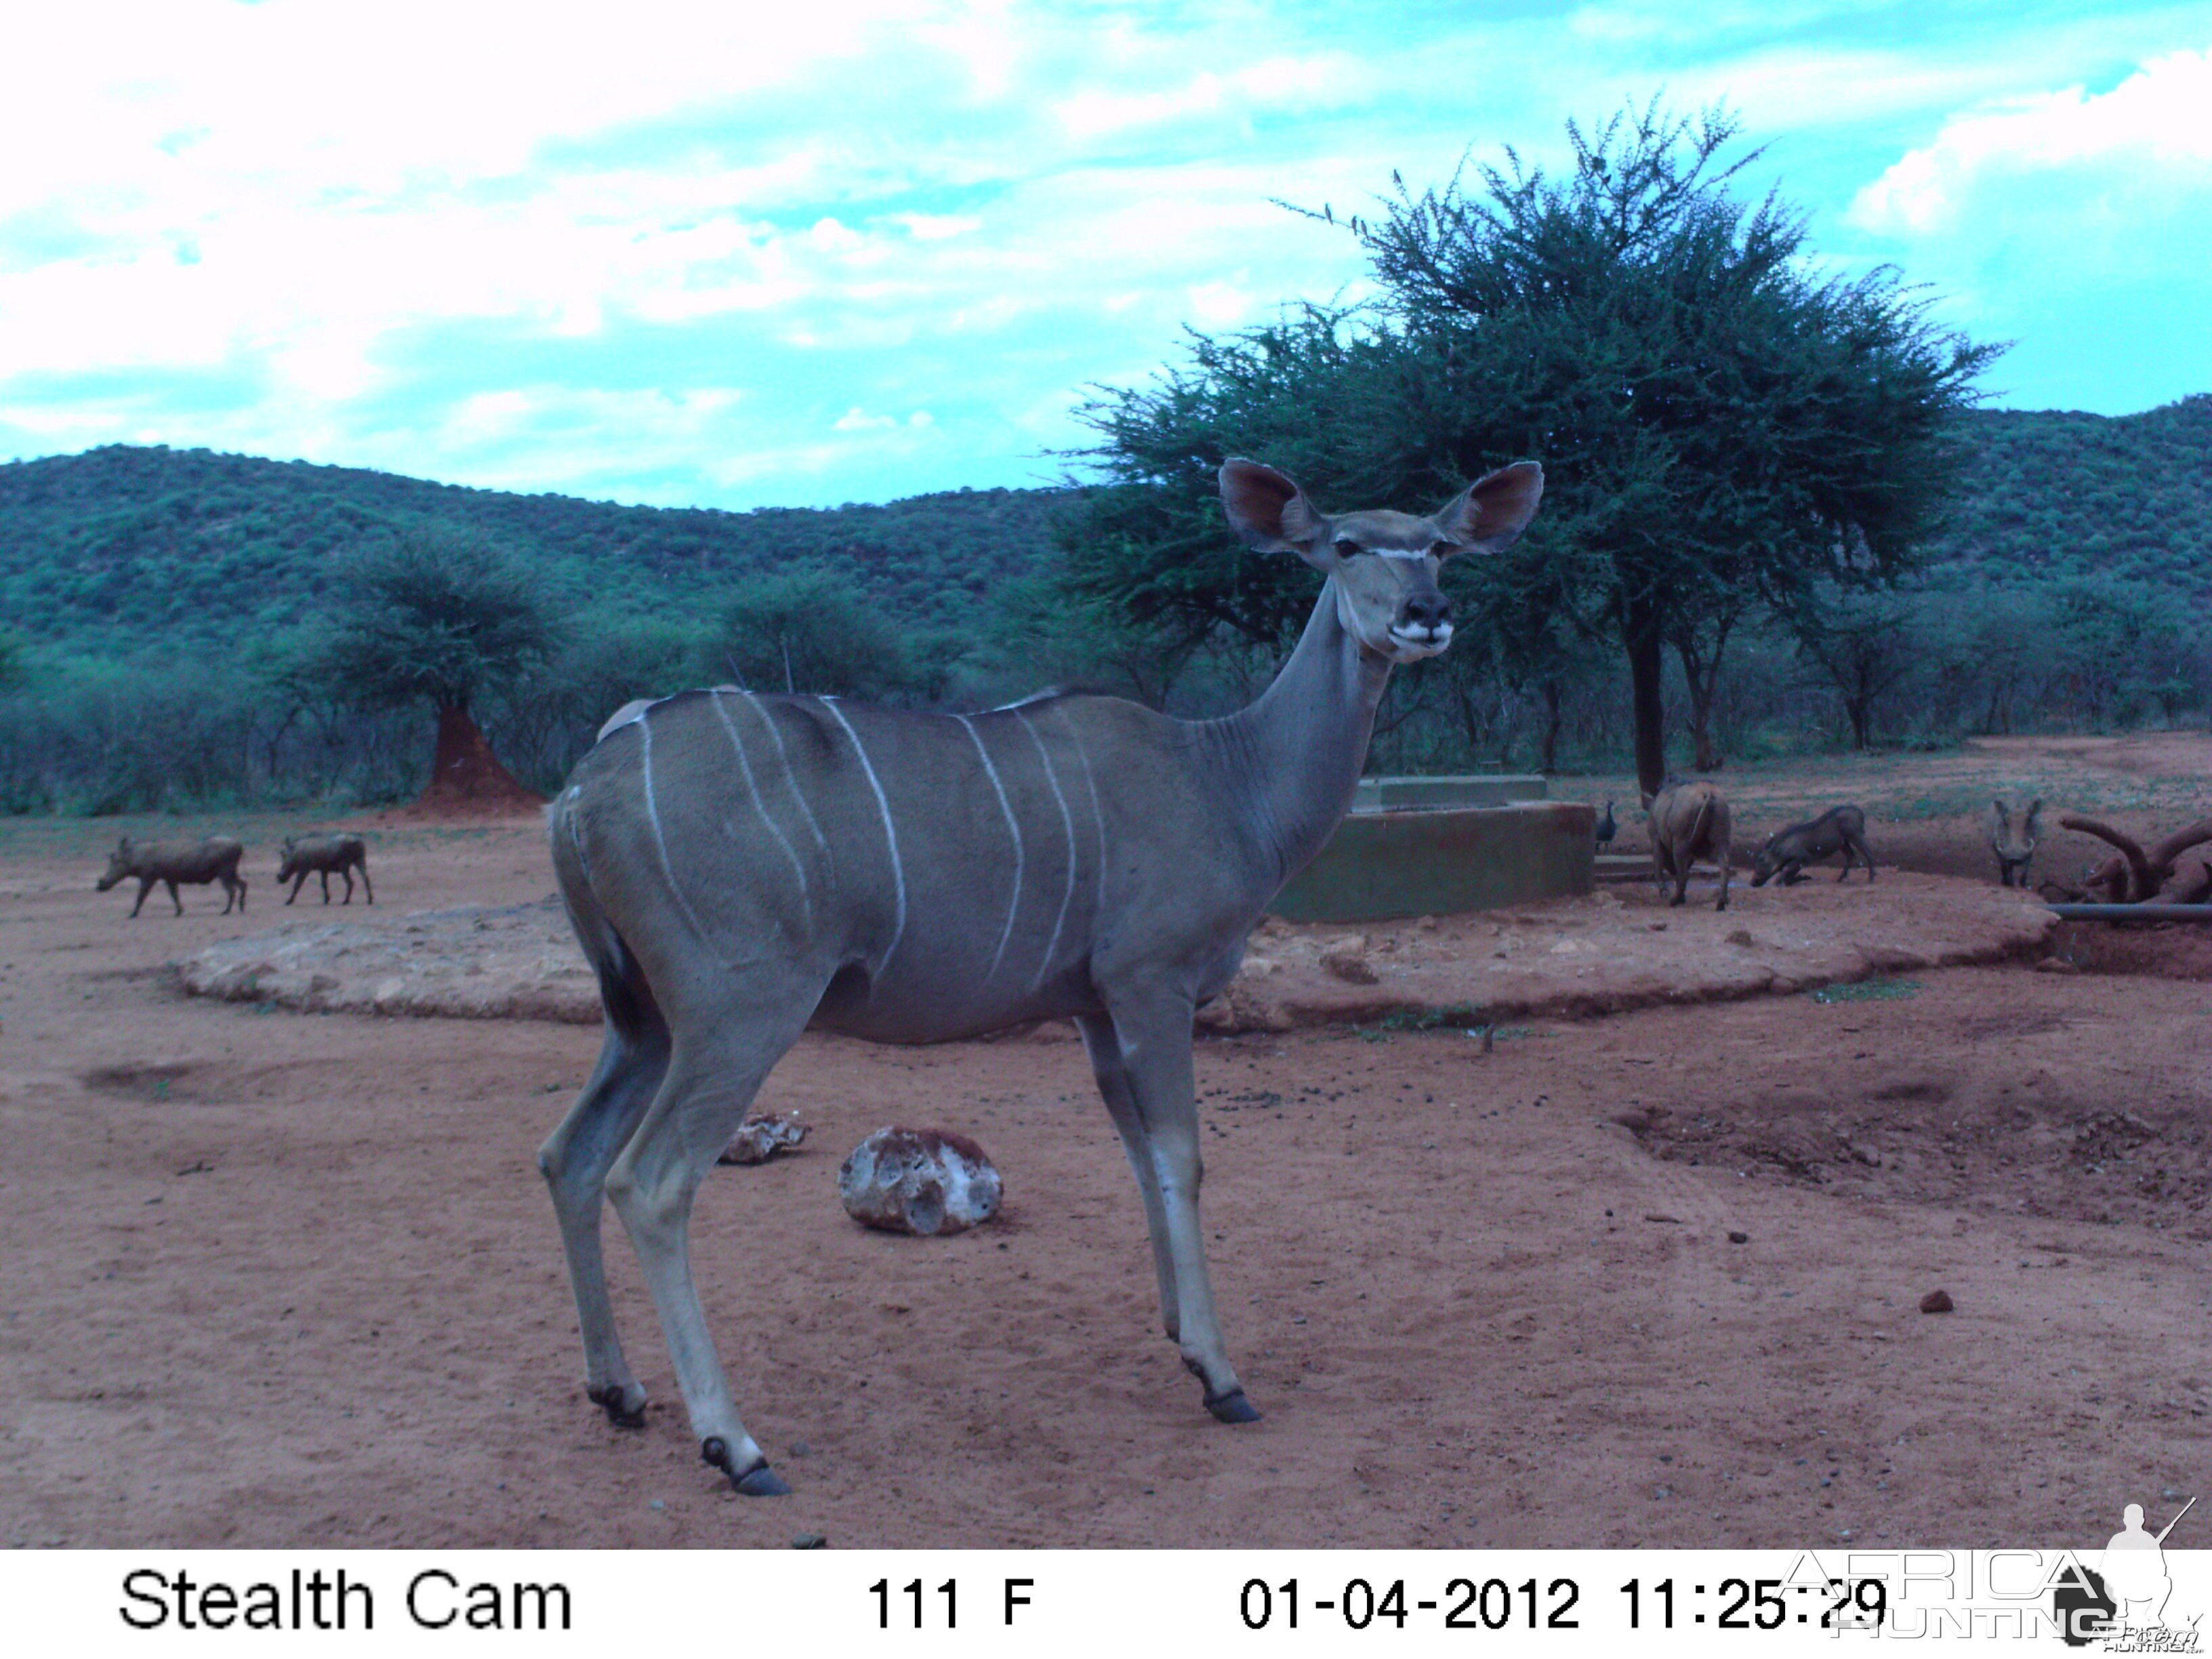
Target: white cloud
pixel 841 243
pixel 2144 148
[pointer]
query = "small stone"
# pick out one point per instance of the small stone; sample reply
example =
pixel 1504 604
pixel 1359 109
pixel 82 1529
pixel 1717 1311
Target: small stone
pixel 2056 965
pixel 1348 963
pixel 656 1504
pixel 1935 1301
pixel 1634 1118
pixel 760 1139
pixel 809 1541
pixel 1740 936
pixel 922 1181
pixel 1739 1238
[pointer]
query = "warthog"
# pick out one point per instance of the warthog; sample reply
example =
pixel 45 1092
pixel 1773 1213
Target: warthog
pixel 1689 821
pixel 326 856
pixel 194 862
pixel 2014 847
pixel 1787 851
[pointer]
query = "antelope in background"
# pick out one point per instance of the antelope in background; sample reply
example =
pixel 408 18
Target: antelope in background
pixel 2014 847
pixel 741 867
pixel 194 863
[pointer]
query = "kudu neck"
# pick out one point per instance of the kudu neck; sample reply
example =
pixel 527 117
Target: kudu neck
pixel 1297 753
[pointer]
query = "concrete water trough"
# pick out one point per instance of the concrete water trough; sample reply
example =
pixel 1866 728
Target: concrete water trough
pixel 1430 847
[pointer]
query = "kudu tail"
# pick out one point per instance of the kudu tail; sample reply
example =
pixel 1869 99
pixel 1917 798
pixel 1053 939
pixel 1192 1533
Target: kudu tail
pixel 624 992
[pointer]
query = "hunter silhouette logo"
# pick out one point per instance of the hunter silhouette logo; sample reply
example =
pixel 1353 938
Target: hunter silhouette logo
pixel 2121 1606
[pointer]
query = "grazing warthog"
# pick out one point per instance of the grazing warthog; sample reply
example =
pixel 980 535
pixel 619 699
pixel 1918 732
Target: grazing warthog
pixel 1787 851
pixel 1689 821
pixel 326 856
pixel 2014 847
pixel 193 862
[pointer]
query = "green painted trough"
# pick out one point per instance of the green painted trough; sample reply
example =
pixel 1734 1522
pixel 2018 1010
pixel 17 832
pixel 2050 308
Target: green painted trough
pixel 1432 847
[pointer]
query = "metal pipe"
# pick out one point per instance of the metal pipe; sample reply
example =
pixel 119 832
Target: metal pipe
pixel 2132 912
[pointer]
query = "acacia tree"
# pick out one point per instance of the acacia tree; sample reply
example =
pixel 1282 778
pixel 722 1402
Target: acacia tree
pixel 430 618
pixel 811 629
pixel 1717 423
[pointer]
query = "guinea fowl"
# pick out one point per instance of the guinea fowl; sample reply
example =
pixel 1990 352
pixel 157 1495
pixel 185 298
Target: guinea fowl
pixel 1606 827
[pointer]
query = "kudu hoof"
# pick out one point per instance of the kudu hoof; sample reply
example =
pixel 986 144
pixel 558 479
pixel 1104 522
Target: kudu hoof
pixel 1232 1408
pixel 610 1400
pixel 758 1481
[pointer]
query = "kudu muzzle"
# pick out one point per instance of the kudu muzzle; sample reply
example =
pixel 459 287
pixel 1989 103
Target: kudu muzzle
pixel 1423 622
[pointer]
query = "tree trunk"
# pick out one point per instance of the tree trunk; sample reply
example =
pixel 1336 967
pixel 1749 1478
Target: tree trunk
pixel 1647 665
pixel 1703 678
pixel 1549 761
pixel 466 776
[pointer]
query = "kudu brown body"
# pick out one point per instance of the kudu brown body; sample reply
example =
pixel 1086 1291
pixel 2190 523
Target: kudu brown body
pixel 1689 822
pixel 740 868
pixel 190 863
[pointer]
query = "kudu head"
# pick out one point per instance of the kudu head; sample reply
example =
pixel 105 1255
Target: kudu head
pixel 1383 564
pixel 119 864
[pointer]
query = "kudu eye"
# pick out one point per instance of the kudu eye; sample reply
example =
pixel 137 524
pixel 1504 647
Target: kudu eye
pixel 1346 547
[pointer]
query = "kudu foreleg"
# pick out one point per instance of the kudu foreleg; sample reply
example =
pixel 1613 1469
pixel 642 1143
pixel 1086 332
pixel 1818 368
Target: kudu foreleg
pixel 1153 1034
pixel 1105 1052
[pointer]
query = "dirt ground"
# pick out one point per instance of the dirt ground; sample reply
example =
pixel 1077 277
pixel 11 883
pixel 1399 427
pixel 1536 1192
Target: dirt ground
pixel 289 1280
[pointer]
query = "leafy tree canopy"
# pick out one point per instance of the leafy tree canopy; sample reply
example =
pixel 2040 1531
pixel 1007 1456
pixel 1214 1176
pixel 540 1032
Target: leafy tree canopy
pixel 1715 420
pixel 430 618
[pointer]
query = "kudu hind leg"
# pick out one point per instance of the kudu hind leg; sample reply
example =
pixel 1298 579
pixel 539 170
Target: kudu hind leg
pixel 1105 1051
pixel 574 1161
pixel 1153 1034
pixel 712 1080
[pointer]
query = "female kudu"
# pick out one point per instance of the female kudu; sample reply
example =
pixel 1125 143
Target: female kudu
pixel 740 868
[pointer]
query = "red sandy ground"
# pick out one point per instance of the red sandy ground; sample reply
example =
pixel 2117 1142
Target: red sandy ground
pixel 286 1280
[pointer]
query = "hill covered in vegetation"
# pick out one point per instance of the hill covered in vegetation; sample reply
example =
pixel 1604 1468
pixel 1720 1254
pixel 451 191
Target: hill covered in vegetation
pixel 118 550
pixel 162 614
pixel 121 549
pixel 2052 494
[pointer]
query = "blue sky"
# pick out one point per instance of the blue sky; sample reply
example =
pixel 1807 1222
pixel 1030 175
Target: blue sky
pixel 852 250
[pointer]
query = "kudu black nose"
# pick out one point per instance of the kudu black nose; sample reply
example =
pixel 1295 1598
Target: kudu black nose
pixel 1429 609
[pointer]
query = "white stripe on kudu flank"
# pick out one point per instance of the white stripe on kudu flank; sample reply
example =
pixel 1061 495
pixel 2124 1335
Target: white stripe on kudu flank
pixel 1097 816
pixel 789 776
pixel 1014 903
pixel 652 816
pixel 1051 946
pixel 760 806
pixel 891 835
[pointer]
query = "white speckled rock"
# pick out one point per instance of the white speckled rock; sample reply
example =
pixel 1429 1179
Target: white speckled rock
pixel 922 1181
pixel 760 1139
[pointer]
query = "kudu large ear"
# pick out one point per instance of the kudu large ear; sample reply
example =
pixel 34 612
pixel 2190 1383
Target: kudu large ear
pixel 1489 515
pixel 1270 513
